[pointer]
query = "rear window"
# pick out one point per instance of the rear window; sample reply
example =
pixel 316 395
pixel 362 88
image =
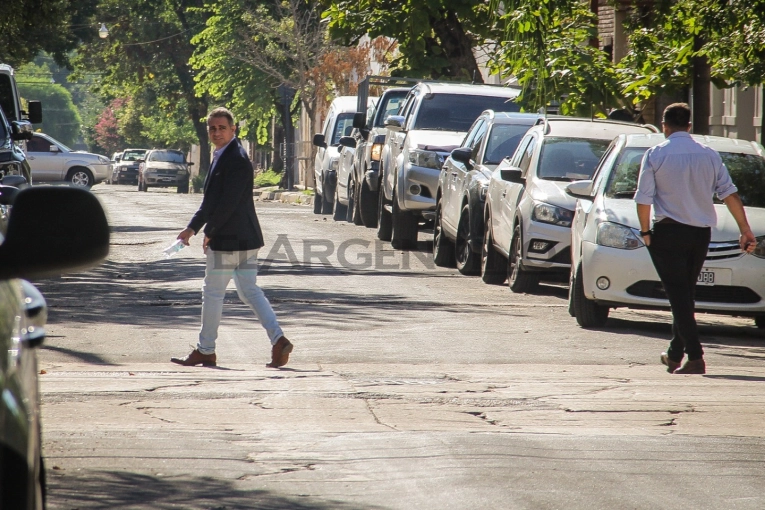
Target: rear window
pixel 457 112
pixel 343 127
pixel 503 140
pixel 746 170
pixel 570 159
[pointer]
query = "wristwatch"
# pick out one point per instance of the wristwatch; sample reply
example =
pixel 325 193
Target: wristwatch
pixel 645 233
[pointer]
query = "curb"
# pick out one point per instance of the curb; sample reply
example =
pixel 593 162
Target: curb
pixel 287 197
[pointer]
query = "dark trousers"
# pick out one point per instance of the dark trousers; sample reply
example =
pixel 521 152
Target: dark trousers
pixel 678 252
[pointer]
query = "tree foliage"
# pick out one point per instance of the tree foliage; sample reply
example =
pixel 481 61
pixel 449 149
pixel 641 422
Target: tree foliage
pixel 435 38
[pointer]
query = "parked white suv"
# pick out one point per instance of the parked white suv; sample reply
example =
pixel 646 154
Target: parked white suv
pixel 611 266
pixel 339 123
pixel 433 120
pixel 52 161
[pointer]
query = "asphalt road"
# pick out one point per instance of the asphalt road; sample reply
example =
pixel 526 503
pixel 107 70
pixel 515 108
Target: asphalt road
pixel 411 386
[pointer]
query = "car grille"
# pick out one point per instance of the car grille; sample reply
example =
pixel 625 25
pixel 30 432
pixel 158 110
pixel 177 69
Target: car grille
pixel 724 250
pixel 704 293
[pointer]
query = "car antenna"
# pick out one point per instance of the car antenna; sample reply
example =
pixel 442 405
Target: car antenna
pixel 473 83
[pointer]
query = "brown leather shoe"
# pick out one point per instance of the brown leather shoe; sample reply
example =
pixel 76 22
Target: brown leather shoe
pixel 196 358
pixel 671 365
pixel 280 353
pixel 696 366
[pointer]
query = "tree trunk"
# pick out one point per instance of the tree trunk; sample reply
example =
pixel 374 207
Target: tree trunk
pixel 457 46
pixel 701 84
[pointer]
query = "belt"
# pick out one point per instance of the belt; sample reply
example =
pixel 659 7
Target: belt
pixel 668 221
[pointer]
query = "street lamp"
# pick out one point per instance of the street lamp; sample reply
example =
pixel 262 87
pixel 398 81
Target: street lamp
pixel 103 32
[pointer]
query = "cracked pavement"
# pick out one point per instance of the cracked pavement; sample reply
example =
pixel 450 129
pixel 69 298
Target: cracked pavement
pixel 410 386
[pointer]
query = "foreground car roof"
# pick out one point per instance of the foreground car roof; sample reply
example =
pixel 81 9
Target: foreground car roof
pixel 470 89
pixel 574 127
pixel 718 143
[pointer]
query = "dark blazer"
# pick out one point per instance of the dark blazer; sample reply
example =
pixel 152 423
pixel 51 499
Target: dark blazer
pixel 228 209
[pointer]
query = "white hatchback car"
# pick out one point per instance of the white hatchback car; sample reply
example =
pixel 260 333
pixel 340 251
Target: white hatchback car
pixel 528 212
pixel 611 266
pixel 52 161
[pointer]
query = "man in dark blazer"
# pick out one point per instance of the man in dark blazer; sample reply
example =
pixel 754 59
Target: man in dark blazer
pixel 231 243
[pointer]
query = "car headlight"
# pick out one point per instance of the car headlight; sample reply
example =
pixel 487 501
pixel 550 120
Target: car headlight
pixel 618 236
pixel 334 164
pixel 103 160
pixel 425 159
pixel 376 152
pixel 546 213
pixel 759 248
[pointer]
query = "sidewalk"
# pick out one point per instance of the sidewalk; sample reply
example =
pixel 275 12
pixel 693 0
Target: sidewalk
pixel 296 197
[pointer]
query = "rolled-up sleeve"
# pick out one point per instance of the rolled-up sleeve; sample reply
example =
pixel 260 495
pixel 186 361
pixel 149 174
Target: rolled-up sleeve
pixel 646 185
pixel 724 186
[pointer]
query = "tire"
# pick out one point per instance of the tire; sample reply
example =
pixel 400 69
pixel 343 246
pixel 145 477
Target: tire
pixel 317 202
pixel 183 188
pixel 326 205
pixel 80 177
pixel 384 219
pixel 340 211
pixel 140 186
pixel 367 200
pixel 404 231
pixel 571 296
pixel 145 187
pixel 759 321
pixel 588 313
pixel 354 213
pixel 519 279
pixel 493 265
pixel 468 261
pixel 443 249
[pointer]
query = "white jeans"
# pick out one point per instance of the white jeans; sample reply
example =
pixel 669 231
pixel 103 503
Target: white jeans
pixel 243 267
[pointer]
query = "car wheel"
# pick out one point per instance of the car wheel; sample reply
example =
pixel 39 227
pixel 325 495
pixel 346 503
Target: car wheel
pixel 317 202
pixel 354 213
pixel 183 188
pixel 367 200
pixel 443 250
pixel 519 279
pixel 326 205
pixel 81 177
pixel 759 321
pixel 145 187
pixel 493 264
pixel 588 313
pixel 571 295
pixel 384 220
pixel 468 261
pixel 340 211
pixel 404 228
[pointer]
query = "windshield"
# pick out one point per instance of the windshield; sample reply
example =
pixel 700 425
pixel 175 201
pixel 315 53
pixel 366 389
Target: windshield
pixel 457 112
pixel 570 159
pixel 503 141
pixel 392 104
pixel 167 157
pixel 343 127
pixel 133 155
pixel 746 170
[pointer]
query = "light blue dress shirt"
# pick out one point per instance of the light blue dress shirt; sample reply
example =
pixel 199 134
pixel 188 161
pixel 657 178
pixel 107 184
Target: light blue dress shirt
pixel 680 177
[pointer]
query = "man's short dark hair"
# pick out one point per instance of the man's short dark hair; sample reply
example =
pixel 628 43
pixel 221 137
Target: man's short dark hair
pixel 222 112
pixel 677 115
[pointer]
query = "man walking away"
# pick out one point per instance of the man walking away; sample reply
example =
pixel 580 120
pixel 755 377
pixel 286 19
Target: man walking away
pixel 679 178
pixel 231 243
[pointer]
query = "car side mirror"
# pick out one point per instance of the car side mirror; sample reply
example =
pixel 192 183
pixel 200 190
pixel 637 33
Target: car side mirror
pixel 395 122
pixel 35 112
pixel 359 120
pixel 52 230
pixel 17 181
pixel 190 163
pixel 463 155
pixel 512 174
pixel 318 141
pixel 21 130
pixel 580 190
pixel 348 141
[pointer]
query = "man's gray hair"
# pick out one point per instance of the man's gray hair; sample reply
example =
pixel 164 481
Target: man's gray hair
pixel 222 112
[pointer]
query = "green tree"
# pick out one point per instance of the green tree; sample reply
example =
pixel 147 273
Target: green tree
pixel 61 119
pixel 435 38
pixel 148 52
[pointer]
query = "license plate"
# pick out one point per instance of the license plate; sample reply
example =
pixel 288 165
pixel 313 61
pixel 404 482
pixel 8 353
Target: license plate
pixel 706 278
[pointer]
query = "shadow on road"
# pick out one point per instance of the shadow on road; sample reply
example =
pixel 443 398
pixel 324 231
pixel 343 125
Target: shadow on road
pixel 117 490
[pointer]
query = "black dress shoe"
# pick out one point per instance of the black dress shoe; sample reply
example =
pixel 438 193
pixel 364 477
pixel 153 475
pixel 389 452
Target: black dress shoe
pixel 696 366
pixel 671 365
